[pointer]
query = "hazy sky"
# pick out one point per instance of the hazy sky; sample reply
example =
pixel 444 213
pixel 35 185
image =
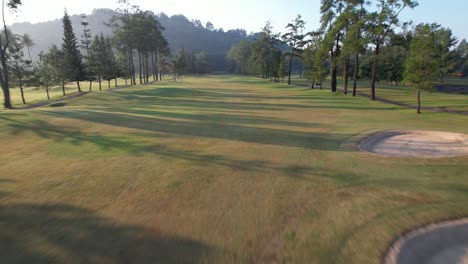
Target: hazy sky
pixel 247 14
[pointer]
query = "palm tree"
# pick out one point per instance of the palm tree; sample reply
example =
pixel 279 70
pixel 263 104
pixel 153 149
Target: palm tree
pixel 28 43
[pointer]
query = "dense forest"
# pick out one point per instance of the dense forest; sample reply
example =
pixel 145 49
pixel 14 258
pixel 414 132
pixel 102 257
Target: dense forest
pixel 179 31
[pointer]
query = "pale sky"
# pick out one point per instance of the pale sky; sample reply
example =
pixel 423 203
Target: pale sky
pixel 250 15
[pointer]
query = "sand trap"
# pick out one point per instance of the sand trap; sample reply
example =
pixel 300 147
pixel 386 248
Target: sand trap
pixel 414 143
pixel 444 243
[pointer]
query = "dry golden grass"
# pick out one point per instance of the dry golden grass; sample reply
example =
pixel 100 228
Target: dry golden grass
pixel 216 170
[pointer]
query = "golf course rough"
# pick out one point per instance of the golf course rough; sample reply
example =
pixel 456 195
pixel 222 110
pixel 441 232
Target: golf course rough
pixel 416 143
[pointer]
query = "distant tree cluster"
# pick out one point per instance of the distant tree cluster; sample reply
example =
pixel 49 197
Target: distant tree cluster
pixel 356 40
pixel 137 49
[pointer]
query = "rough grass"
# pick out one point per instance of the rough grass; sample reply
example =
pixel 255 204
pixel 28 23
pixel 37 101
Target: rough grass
pixel 216 170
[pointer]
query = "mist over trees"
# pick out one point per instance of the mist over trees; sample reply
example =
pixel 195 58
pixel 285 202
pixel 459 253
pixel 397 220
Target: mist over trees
pixel 180 32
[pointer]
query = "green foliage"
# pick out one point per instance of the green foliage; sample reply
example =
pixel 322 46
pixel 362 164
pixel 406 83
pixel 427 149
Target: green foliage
pixel 201 62
pixel 314 60
pixel 45 71
pixel 422 64
pixel 461 62
pixel 74 69
pixel 103 63
pixel 240 55
pixel 295 40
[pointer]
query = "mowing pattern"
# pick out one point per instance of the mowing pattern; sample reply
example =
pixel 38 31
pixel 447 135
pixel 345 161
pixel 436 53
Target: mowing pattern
pixel 216 169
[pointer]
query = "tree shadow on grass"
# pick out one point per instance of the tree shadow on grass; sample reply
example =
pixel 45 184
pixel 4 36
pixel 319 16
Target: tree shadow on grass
pixel 312 140
pixel 61 233
pixel 74 136
pixel 147 145
pixel 202 98
pixel 216 117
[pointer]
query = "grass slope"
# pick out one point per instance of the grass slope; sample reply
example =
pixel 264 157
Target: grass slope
pixel 216 170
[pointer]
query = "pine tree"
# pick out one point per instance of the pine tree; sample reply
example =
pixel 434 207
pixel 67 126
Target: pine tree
pixel 110 64
pixel 422 64
pixel 295 39
pixel 97 59
pixel 74 69
pixel 85 42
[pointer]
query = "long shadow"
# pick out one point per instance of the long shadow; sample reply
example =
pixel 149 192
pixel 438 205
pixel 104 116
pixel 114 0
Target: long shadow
pixel 200 98
pixel 108 143
pixel 225 118
pixel 75 137
pixel 313 140
pixel 62 233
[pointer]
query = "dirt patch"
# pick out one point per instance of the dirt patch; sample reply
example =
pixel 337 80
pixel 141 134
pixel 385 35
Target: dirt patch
pixel 445 242
pixel 417 144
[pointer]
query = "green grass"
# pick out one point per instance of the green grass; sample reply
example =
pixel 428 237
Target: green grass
pixel 220 169
pixel 407 95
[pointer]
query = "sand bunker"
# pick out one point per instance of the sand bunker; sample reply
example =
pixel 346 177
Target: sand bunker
pixel 445 243
pixel 413 143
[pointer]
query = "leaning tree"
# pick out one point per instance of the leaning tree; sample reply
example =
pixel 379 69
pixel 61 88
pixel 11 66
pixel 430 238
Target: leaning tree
pixel 5 42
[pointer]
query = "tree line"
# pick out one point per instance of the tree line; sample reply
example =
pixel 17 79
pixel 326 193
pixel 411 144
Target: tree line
pixel 137 52
pixel 357 40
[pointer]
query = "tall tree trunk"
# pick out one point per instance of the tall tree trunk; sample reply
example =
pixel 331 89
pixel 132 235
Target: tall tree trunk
pixel 79 87
pixel 374 71
pixel 313 84
pixel 100 84
pixel 156 70
pixel 147 68
pixel 90 85
pixel 346 74
pixel 115 81
pixel 132 67
pixel 126 83
pixel 130 70
pixel 63 88
pixel 140 67
pixel 334 71
pixel 161 75
pixel 108 83
pixel 290 66
pixel 419 100
pixel 356 73
pixel 6 95
pixel 47 90
pixel 22 92
pixel 333 81
pixel 4 77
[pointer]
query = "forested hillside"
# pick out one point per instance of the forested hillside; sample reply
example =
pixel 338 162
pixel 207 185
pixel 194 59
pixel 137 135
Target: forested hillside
pixel 180 33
